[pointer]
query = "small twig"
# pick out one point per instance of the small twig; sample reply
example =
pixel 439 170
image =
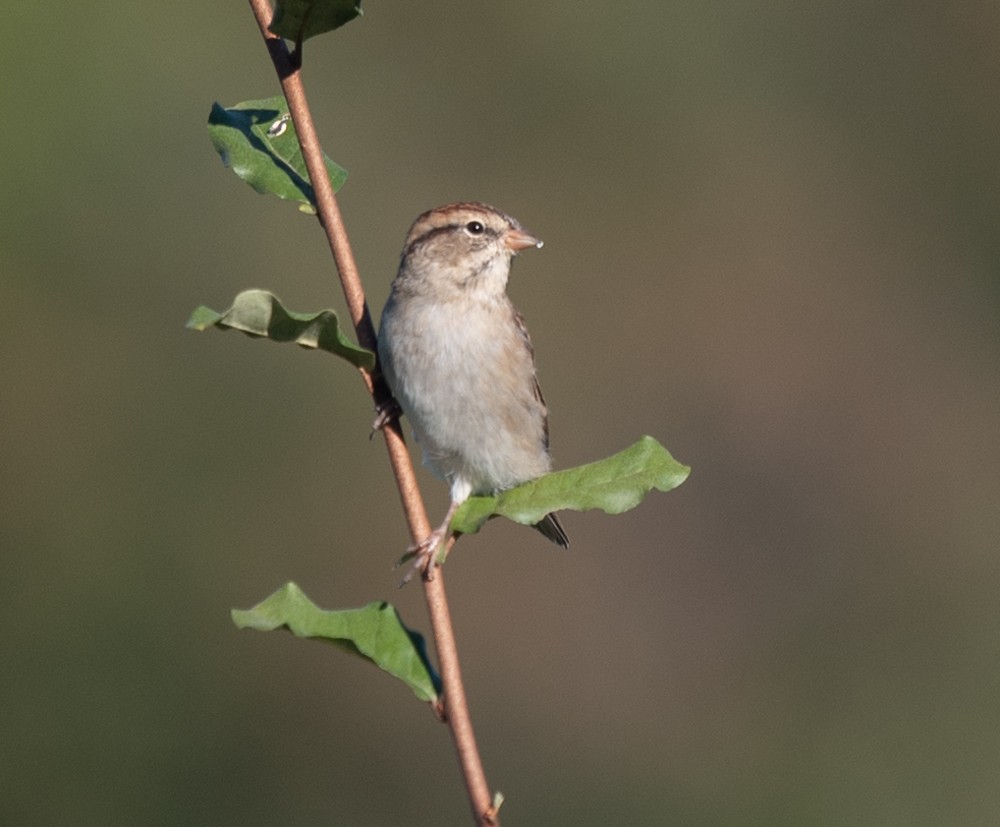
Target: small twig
pixel 455 705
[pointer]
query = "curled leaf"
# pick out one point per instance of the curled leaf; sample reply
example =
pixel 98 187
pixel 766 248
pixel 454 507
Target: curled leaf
pixel 299 20
pixel 373 632
pixel 260 313
pixel 257 141
pixel 613 485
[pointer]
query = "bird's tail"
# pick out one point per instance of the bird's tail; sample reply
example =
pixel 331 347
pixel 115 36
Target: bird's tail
pixel 552 528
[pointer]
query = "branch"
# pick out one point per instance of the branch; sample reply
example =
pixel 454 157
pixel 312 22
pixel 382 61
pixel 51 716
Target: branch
pixel 455 705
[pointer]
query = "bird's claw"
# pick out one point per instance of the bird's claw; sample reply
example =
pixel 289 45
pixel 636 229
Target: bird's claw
pixel 426 555
pixel 385 414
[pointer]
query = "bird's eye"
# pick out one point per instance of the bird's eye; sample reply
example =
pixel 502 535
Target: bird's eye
pixel 475 228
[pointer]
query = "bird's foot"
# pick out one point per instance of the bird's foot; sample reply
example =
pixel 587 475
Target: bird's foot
pixel 385 414
pixel 430 552
pixel 425 555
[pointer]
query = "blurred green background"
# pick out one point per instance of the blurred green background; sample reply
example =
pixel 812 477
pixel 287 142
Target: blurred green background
pixel 771 242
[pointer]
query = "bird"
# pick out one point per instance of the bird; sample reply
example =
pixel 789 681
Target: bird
pixel 457 357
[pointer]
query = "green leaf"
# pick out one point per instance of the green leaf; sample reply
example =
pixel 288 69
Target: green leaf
pixel 614 485
pixel 260 313
pixel 374 632
pixel 299 20
pixel 257 140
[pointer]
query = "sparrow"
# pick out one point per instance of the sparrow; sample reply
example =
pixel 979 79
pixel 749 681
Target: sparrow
pixel 457 357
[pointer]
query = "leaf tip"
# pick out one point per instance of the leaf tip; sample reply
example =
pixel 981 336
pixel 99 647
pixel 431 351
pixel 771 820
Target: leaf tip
pixel 202 318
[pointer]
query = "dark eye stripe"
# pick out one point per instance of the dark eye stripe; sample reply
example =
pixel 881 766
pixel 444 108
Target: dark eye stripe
pixel 444 229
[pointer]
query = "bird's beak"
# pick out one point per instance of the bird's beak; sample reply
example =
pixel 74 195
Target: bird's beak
pixel 520 240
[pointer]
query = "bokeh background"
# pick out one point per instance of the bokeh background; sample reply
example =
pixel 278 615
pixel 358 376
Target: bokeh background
pixel 771 242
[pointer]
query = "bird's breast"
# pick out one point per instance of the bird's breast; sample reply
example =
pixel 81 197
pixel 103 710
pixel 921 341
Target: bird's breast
pixel 465 378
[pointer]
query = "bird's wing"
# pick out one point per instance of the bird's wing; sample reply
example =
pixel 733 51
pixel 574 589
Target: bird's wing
pixel 536 389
